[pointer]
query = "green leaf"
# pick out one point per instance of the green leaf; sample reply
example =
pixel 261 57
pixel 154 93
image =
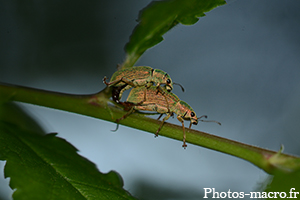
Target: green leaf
pixel 283 183
pixel 158 18
pixel 48 167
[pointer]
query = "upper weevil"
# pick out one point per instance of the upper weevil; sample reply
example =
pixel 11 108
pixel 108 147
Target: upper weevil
pixel 139 76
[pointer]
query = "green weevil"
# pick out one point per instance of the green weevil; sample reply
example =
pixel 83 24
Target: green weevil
pixel 139 76
pixel 150 100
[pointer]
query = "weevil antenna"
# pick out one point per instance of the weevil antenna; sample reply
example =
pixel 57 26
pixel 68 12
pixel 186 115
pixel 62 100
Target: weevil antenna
pixel 211 121
pixel 180 86
pixel 205 116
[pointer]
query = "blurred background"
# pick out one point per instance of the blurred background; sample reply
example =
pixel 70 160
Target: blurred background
pixel 239 65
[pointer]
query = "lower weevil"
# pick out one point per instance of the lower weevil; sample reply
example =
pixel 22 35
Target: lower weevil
pixel 163 102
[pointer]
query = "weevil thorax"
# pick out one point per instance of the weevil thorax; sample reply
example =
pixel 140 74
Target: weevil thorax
pixel 161 77
pixel 186 112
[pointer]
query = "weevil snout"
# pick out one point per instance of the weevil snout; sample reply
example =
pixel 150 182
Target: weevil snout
pixel 169 88
pixel 195 122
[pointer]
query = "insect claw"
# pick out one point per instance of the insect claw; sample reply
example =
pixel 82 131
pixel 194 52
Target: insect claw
pixel 104 81
pixel 184 145
pixel 116 128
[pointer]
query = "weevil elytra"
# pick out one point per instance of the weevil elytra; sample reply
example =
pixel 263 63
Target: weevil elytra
pixel 139 76
pixel 163 102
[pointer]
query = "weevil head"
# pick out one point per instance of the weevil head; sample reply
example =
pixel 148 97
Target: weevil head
pixel 187 113
pixel 161 77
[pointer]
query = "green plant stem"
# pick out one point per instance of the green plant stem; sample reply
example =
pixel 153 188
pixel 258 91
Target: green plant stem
pixel 98 106
pixel 130 59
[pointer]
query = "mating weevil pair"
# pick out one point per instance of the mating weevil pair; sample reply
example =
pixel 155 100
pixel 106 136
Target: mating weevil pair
pixel 150 98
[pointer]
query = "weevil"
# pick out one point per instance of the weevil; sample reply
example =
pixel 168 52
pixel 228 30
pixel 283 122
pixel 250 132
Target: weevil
pixel 150 100
pixel 139 76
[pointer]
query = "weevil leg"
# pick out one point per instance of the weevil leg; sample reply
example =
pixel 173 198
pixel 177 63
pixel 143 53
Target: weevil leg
pixel 190 125
pixel 163 93
pixel 184 136
pixel 123 117
pixel 110 83
pixel 162 123
pixel 128 106
pixel 123 79
pixel 171 115
pixel 159 116
pixel 104 80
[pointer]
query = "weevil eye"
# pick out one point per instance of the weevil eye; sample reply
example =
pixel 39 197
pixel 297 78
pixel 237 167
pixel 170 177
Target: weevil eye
pixel 193 114
pixel 168 81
